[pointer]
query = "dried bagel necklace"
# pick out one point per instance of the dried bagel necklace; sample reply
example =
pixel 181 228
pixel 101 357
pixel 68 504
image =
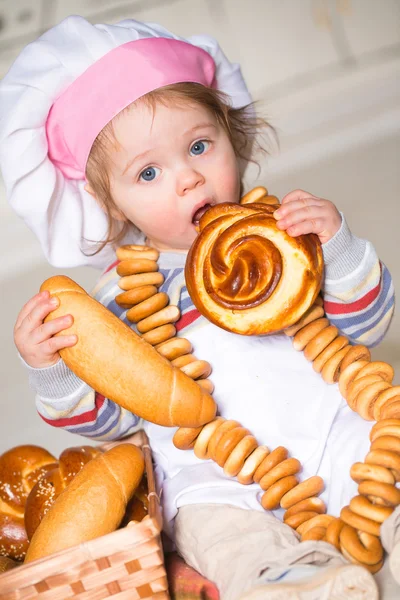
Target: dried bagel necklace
pixel 366 385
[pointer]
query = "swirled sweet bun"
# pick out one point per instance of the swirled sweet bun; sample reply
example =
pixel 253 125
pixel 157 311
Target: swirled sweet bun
pixel 247 276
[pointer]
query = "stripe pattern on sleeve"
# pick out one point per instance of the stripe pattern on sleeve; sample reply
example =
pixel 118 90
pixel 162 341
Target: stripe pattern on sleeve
pixel 363 312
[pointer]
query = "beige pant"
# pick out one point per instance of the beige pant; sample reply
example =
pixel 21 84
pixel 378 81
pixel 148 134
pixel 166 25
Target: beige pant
pixel 239 549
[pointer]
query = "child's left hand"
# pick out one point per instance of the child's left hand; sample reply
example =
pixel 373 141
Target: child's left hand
pixel 301 213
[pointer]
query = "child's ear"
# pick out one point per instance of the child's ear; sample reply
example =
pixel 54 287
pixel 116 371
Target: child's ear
pixel 115 213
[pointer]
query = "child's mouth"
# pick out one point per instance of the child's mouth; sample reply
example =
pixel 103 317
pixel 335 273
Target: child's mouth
pixel 199 213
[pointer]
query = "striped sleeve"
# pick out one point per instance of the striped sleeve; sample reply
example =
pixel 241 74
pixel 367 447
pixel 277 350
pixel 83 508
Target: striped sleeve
pixel 358 289
pixel 92 416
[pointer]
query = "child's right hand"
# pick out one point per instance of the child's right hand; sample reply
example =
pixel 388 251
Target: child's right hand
pixel 36 340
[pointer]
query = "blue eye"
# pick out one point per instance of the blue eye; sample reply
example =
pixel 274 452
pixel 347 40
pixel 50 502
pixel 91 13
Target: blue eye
pixel 149 174
pixel 199 147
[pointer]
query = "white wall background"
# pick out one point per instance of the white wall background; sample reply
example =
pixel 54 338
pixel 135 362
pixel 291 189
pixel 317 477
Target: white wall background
pixel 326 73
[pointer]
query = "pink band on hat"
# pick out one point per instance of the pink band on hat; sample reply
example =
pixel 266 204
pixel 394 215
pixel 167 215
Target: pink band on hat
pixel 109 85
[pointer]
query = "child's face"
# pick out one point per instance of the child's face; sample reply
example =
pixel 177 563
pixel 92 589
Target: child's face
pixel 170 163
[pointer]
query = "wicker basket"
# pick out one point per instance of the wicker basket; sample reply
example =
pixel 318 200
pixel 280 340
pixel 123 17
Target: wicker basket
pixel 128 563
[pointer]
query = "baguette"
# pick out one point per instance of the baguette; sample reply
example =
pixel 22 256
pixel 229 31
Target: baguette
pixel 120 365
pixel 92 505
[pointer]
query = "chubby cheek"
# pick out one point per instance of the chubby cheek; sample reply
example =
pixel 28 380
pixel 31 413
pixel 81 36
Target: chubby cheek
pixel 227 179
pixel 158 220
pixel 152 218
pixel 164 223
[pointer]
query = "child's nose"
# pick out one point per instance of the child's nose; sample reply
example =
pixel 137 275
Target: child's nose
pixel 187 180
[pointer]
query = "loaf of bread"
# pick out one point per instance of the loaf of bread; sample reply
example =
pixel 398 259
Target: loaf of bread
pixel 21 468
pixel 120 365
pixel 93 504
pixel 45 492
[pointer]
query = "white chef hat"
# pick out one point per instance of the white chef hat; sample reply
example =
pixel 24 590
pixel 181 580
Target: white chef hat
pixel 58 95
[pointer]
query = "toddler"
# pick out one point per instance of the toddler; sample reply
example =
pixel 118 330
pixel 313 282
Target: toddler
pixel 114 134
